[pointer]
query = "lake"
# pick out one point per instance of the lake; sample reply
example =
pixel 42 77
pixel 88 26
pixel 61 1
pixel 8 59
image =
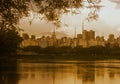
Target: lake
pixel 59 72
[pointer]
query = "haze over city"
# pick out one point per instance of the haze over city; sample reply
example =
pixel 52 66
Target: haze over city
pixel 107 22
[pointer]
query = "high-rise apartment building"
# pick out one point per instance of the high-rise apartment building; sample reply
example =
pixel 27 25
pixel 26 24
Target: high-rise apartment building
pixel 53 37
pixel 91 35
pixel 25 36
pixel 100 41
pixel 33 37
pixel 85 35
pixel 111 38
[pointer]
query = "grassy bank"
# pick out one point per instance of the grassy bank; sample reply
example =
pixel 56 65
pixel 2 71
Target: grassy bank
pixel 66 53
pixel 65 57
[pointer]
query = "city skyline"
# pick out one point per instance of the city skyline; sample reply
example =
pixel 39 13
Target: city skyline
pixel 62 34
pixel 54 32
pixel 85 39
pixel 108 20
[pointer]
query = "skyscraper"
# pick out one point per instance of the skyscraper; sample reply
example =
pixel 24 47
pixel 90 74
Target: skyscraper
pixel 33 37
pixel 85 35
pixel 54 33
pixel 91 35
pixel 111 38
pixel 82 26
pixel 25 36
pixel 53 37
pixel 84 32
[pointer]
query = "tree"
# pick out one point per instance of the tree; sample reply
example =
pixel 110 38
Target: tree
pixel 10 13
pixel 9 41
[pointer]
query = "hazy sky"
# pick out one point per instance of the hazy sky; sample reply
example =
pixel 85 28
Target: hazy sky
pixel 108 22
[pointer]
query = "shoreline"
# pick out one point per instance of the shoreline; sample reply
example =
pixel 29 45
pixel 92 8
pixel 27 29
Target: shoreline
pixel 53 57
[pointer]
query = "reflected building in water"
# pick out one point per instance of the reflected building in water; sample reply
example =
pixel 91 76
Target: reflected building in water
pixel 82 72
pixel 8 72
pixel 65 73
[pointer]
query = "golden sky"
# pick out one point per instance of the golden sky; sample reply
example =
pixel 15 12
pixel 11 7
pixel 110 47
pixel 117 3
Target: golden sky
pixel 108 22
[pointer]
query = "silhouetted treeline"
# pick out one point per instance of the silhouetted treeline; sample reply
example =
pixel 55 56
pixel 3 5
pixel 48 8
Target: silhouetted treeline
pixel 9 41
pixel 91 51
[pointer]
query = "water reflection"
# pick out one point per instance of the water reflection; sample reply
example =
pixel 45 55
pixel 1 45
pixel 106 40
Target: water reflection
pixel 82 72
pixel 8 72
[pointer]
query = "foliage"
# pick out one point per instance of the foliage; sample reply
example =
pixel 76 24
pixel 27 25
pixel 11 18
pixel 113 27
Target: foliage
pixel 77 51
pixel 12 10
pixel 52 9
pixel 9 40
pixel 10 13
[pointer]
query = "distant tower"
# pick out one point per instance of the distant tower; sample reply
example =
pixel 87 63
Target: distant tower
pixel 75 32
pixel 54 32
pixel 53 37
pixel 84 32
pixel 75 38
pixel 25 36
pixel 91 35
pixel 82 26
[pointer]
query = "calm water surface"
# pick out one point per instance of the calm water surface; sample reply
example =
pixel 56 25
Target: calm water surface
pixel 60 72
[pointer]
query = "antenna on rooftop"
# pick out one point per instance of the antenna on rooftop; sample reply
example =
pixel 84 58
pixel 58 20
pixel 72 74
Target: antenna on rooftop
pixel 75 31
pixel 82 25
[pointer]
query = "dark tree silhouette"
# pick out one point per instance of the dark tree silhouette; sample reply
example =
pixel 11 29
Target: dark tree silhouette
pixel 9 41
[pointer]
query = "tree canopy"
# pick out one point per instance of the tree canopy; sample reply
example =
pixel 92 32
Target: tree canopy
pixel 9 41
pixel 11 11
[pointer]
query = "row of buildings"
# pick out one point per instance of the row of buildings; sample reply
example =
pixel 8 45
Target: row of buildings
pixel 86 39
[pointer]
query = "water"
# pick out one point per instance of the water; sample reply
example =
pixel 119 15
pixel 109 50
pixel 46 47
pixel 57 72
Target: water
pixel 60 72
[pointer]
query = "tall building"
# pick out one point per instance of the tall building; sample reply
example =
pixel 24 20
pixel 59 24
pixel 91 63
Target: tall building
pixel 79 36
pixel 85 35
pixel 100 40
pixel 111 38
pixel 25 36
pixel 54 33
pixel 82 26
pixel 29 42
pixel 75 39
pixel 88 37
pixel 84 41
pixel 53 37
pixel 118 41
pixel 91 38
pixel 33 37
pixel 91 35
pixel 75 33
